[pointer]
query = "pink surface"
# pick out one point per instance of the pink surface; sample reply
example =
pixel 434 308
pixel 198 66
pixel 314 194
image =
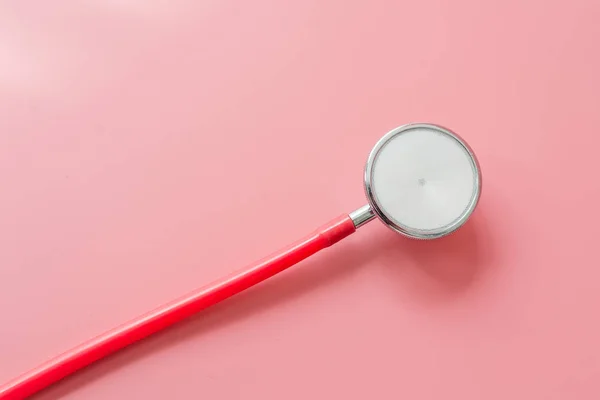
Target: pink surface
pixel 147 148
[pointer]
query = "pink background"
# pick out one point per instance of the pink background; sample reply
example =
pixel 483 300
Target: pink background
pixel 148 147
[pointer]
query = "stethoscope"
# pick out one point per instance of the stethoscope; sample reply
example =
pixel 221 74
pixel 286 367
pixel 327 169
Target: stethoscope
pixel 421 180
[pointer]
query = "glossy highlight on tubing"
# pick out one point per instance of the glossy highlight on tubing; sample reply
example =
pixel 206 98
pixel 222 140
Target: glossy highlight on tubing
pixel 178 310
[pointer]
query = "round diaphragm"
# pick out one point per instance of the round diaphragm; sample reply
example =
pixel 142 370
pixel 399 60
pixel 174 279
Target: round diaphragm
pixel 422 180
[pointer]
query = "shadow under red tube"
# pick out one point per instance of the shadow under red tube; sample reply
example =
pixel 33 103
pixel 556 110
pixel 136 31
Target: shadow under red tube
pixel 175 311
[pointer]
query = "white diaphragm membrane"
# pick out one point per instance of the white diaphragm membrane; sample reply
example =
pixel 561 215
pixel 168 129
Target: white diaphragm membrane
pixel 422 181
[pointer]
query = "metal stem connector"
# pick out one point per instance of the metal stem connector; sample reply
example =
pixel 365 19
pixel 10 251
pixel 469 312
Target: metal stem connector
pixel 362 216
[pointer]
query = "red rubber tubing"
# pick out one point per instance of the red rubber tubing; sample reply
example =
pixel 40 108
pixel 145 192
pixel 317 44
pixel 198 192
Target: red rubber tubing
pixel 173 312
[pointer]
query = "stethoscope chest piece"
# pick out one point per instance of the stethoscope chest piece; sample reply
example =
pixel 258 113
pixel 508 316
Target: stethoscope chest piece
pixel 422 181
